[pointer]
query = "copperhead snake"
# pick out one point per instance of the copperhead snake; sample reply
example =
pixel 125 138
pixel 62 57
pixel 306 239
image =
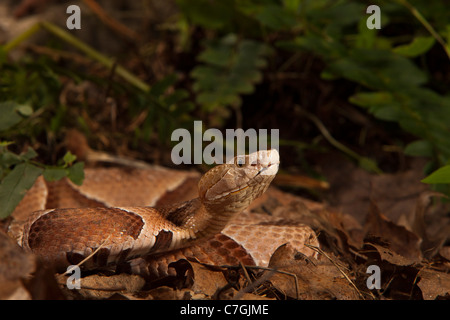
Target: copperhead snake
pixel 213 227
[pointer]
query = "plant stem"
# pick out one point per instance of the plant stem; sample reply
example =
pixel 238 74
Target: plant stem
pixel 22 37
pixel 89 51
pixel 427 26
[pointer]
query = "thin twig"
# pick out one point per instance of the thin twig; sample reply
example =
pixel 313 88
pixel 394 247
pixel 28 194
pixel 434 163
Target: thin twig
pixel 337 266
pixel 247 276
pixel 272 270
pixel 253 285
pixel 87 258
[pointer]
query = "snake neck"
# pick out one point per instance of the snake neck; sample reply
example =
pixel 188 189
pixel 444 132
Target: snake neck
pixel 199 219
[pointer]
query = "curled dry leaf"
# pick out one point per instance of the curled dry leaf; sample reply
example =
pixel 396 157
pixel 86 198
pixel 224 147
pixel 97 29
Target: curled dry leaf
pixel 400 241
pixel 309 279
pixel 392 257
pixel 207 281
pixel 434 284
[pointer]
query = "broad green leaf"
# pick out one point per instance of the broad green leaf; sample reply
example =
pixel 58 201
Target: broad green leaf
pixel 25 110
pixel 419 148
pixel 30 154
pixel 276 17
pixel 418 46
pixel 15 185
pixel 54 174
pixel 8 158
pixel 11 114
pixel 76 173
pixel 441 175
pixel 231 67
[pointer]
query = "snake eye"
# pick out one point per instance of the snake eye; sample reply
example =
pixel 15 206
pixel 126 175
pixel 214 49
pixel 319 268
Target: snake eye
pixel 240 162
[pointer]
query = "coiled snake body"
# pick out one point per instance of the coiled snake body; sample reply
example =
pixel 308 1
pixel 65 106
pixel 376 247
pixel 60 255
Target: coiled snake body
pixel 66 236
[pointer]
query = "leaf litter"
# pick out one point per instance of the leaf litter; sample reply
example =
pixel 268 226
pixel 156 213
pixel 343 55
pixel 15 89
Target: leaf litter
pixel 410 249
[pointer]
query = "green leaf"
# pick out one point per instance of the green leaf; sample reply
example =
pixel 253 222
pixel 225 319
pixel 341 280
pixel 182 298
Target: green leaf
pixel 276 17
pixel 369 165
pixel 441 175
pixel 69 158
pixel 8 158
pixel 25 110
pixel 30 154
pixel 15 185
pixel 381 104
pixel 206 13
pixel 418 46
pixel 76 173
pixel 11 114
pixel 231 68
pixel 419 148
pixel 54 174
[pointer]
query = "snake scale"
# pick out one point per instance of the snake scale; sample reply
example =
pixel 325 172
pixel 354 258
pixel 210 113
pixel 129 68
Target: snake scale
pixel 213 227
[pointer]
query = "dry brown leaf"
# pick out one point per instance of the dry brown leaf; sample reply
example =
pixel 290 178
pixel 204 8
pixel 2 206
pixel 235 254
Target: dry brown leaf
pixel 352 188
pixel 445 252
pixel 434 284
pixel 206 280
pixel 314 279
pixel 167 293
pixel 399 240
pixel 103 287
pixel 392 257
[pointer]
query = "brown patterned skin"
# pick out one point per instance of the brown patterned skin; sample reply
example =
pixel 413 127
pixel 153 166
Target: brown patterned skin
pixel 62 237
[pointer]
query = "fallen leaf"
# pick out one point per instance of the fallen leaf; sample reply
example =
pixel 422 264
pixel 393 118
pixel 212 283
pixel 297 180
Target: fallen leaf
pixel 434 284
pixel 309 278
pixel 399 240
pixel 103 287
pixel 207 281
pixel 392 257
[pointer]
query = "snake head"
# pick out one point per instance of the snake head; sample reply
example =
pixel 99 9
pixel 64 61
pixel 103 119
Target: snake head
pixel 234 185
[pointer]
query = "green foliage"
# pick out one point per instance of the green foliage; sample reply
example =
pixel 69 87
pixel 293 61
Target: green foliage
pixel 15 185
pixel 392 85
pixel 417 47
pixel 18 172
pixel 442 175
pixel 231 68
pixel 13 113
pixel 166 110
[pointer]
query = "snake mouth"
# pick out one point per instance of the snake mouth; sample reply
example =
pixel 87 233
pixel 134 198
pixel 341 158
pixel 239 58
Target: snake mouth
pixel 270 170
pixel 238 190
